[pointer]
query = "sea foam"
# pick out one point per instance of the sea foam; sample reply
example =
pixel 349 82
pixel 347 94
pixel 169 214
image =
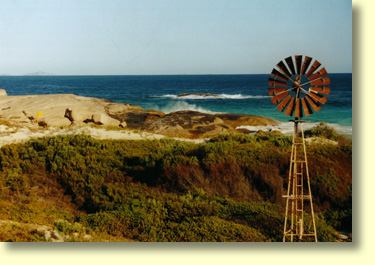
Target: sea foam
pixel 182 105
pixel 211 96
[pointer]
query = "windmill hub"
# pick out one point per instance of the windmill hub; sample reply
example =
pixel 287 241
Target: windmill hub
pixel 297 84
pixel 297 81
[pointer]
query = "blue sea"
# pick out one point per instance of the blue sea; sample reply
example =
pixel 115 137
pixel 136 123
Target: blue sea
pixel 242 94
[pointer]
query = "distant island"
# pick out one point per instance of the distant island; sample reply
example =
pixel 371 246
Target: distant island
pixel 38 73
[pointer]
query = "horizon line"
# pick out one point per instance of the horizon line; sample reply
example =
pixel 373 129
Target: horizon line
pixel 44 75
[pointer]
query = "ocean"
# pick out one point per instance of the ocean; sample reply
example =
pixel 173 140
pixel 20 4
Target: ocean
pixel 242 94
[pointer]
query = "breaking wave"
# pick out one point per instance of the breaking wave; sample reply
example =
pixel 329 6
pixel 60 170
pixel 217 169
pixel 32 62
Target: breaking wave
pixel 210 96
pixel 182 105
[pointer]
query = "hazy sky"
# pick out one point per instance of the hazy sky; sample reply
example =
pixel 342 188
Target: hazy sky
pixel 171 36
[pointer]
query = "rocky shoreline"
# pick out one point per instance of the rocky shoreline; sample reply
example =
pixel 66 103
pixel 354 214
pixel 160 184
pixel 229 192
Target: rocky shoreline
pixel 52 111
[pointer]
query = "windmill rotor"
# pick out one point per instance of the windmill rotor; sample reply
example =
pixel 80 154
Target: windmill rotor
pixel 299 86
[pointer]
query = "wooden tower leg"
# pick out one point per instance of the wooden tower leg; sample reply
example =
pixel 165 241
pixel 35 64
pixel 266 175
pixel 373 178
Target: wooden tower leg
pixel 309 187
pixel 298 193
pixel 288 192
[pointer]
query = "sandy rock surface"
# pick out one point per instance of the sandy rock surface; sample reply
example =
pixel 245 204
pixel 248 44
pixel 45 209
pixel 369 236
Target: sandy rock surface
pixel 36 112
pixel 51 108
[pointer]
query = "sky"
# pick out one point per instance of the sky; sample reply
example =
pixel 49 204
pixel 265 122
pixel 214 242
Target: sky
pixel 70 37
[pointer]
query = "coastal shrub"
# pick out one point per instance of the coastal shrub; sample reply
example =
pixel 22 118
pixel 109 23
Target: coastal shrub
pixel 340 219
pixel 233 137
pixel 15 180
pixel 325 232
pixel 323 130
pixel 203 229
pixel 67 227
pixel 170 217
pixel 167 190
pixel 266 217
pixel 14 232
pixel 275 137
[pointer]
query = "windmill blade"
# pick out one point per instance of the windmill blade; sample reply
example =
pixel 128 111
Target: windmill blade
pixel 317 98
pixel 306 109
pixel 306 64
pixel 322 90
pixel 276 90
pixel 290 108
pixel 276 99
pixel 284 102
pixel 290 63
pixel 311 103
pixel 298 59
pixel 276 83
pixel 321 82
pixel 321 73
pixel 313 67
pixel 284 69
pixel 298 109
pixel 279 75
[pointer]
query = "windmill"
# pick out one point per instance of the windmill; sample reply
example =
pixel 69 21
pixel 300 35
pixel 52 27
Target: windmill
pixel 299 87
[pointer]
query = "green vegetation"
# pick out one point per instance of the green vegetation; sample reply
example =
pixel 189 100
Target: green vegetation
pixel 323 130
pixel 228 189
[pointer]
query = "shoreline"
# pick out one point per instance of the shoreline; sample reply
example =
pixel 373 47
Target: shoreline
pixel 33 116
pixel 69 110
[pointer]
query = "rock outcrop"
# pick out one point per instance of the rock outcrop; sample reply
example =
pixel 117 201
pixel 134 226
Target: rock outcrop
pixel 62 110
pixel 69 115
pixel 56 110
pixel 194 124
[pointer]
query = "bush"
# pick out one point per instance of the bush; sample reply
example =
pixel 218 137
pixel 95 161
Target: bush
pixel 15 181
pixel 323 130
pixel 68 228
pixel 164 190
